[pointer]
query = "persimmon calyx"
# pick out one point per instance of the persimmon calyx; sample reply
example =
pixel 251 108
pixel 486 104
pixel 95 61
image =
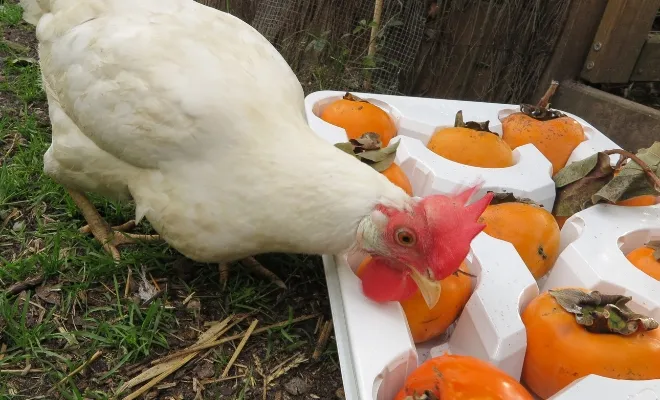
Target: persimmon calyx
pixel 476 126
pixel 655 245
pixel 351 97
pixel 368 149
pixel 602 313
pixel 542 111
pixel 427 395
pixel 507 197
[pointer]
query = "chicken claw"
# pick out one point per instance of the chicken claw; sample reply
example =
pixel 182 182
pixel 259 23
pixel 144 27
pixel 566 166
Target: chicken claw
pixel 255 267
pixel 102 232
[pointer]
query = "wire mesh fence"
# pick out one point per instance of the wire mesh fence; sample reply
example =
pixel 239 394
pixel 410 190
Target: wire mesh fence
pixel 492 50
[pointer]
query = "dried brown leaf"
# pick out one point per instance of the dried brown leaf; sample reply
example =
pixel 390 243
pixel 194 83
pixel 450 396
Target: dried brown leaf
pixel 602 313
pixel 506 197
pixel 49 294
pixel 477 126
pixel 655 245
pixel 632 180
pixel 368 141
pixel 364 149
pixel 577 183
pixel 20 287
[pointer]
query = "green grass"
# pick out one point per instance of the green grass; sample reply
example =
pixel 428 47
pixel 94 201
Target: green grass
pixel 54 327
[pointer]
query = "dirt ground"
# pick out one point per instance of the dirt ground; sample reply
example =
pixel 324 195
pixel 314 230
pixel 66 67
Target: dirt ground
pixel 74 325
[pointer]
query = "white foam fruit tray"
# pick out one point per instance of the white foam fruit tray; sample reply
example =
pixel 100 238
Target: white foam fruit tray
pixel 376 349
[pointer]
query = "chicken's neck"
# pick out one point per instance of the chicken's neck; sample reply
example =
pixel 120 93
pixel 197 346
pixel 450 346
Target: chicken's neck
pixel 335 197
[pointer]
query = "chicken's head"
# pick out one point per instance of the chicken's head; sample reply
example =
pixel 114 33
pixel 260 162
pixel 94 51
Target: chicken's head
pixel 418 247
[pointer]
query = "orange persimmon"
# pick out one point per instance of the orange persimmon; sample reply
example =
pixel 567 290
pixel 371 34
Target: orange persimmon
pixel 638 201
pixel 425 323
pixel 395 175
pixel 531 229
pixel 456 377
pixel 471 143
pixel 561 350
pixel 646 258
pixel 554 134
pixel 358 116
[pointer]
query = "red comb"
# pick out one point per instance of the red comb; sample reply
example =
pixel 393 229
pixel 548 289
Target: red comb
pixel 454 225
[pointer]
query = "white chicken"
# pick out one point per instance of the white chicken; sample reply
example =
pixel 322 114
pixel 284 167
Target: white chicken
pixel 195 116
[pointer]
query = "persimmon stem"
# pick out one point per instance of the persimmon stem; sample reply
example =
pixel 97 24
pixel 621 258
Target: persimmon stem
pixel 545 100
pixel 653 178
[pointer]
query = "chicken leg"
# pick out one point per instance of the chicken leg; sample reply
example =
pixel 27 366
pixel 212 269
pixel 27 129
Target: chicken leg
pixel 254 266
pixel 102 232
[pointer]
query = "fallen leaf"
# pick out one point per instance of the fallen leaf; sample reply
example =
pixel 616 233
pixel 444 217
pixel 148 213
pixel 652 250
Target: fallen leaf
pixel 146 291
pixel 366 151
pixel 577 183
pixel 655 245
pixel 575 171
pixel 368 141
pixel 347 147
pixel 20 287
pixel 632 181
pixel 49 294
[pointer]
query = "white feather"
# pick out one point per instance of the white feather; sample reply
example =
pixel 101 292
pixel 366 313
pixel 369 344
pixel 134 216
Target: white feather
pixel 194 115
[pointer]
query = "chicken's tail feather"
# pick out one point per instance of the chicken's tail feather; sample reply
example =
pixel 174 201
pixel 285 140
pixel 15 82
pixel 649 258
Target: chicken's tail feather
pixel 33 10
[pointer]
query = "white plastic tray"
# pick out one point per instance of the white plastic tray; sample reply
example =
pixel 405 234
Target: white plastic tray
pixel 593 247
pixel 376 349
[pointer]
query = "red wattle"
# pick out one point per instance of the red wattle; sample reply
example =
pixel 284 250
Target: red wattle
pixel 382 283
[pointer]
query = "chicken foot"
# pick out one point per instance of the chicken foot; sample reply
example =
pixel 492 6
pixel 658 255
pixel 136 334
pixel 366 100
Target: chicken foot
pixel 254 266
pixel 102 232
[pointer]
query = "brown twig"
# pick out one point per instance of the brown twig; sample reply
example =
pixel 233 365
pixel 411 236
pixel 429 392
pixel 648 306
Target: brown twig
pixel 160 372
pixel 371 52
pixel 239 348
pixel 323 340
pixel 200 347
pixel 27 284
pixel 545 100
pixel 653 178
pixel 21 371
pixel 10 150
pixel 215 343
pixel 159 378
pixel 75 371
pixel 127 288
pixel 216 380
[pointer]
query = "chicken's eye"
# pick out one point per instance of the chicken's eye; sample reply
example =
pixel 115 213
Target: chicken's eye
pixel 405 238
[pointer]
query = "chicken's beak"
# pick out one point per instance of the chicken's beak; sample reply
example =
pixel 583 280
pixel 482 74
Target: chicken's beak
pixel 429 288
